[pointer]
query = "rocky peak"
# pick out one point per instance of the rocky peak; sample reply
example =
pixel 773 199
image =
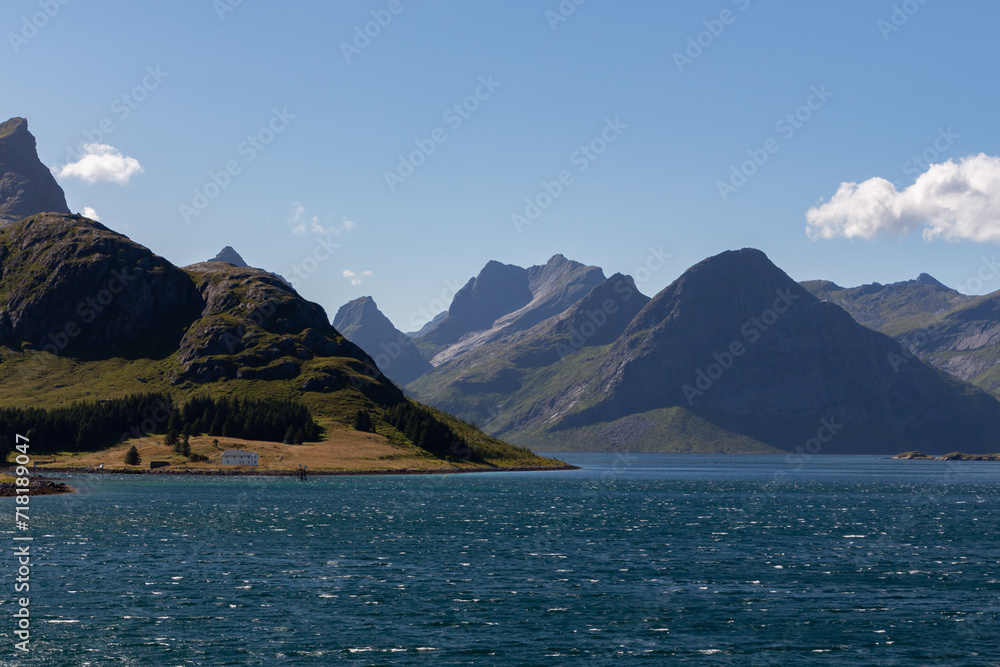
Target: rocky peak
pixel 362 323
pixel 498 290
pixel 227 254
pixel 27 187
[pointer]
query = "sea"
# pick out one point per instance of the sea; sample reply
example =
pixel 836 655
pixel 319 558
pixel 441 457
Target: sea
pixel 642 558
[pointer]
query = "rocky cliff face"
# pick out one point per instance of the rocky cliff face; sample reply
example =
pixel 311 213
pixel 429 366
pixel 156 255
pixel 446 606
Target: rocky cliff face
pixel 26 185
pixel 893 308
pixel 734 335
pixel 504 300
pixel 362 323
pixel 68 282
pixel 72 287
pixel 735 348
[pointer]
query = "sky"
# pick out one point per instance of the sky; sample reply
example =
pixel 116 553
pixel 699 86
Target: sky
pixel 392 148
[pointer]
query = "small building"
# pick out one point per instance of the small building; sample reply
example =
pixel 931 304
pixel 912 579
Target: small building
pixel 239 457
pixel 154 464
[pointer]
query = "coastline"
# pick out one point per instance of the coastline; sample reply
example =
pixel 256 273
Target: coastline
pixel 37 487
pixel 241 471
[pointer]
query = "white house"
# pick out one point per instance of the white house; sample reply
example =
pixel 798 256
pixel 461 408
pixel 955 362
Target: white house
pixel 239 457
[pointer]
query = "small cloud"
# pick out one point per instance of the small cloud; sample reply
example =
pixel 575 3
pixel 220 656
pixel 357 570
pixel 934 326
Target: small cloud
pixel 101 164
pixel 357 278
pixel 300 224
pixel 88 212
pixel 952 201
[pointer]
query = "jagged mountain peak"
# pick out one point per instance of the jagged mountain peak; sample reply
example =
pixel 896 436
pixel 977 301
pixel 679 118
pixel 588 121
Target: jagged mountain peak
pixel 362 323
pixel 228 254
pixel 27 187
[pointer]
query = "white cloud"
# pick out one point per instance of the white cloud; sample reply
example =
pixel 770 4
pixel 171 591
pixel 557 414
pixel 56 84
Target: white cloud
pixel 357 278
pixel 302 225
pixel 952 201
pixel 88 212
pixel 101 164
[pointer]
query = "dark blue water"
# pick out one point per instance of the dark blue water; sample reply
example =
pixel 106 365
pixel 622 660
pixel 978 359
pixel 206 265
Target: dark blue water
pixel 652 558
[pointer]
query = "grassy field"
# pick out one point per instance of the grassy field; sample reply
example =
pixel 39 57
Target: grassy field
pixel 342 450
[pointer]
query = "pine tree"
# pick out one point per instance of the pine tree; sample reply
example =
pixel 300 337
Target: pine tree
pixel 299 437
pixel 170 439
pixel 132 457
pixel 289 435
pixel 363 422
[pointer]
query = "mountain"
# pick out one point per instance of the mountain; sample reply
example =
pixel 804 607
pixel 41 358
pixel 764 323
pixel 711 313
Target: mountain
pixel 732 356
pixel 429 326
pixel 27 187
pixel 86 314
pixel 229 255
pixel 504 299
pixel 894 308
pixel 965 342
pixel 362 323
pixel 949 330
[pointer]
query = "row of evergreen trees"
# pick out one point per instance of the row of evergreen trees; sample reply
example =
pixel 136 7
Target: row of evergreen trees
pixel 87 426
pixel 426 431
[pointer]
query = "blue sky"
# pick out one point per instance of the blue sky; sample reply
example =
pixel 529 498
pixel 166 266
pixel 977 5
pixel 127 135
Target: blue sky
pixel 308 129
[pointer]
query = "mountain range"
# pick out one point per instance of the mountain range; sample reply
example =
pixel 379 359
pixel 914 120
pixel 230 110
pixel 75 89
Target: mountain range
pixel 556 357
pixel 733 356
pixel 86 314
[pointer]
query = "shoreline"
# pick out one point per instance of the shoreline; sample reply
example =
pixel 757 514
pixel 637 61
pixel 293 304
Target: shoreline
pixel 43 486
pixel 243 472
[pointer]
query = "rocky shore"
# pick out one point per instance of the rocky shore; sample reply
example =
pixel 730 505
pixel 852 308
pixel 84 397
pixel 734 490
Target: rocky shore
pixel 953 456
pixel 37 487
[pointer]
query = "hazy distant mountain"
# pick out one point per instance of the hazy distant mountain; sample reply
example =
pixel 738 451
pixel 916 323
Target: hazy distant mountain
pixel 363 324
pixel 734 355
pixel 965 342
pixel 27 186
pixel 893 308
pixel 504 299
pixel 429 326
pixel 88 314
pixel 952 331
pixel 227 254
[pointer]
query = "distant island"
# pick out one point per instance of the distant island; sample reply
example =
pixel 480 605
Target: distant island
pixel 954 456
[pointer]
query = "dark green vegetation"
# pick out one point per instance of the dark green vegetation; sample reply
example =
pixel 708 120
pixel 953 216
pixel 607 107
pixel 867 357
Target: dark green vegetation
pixel 89 426
pixel 132 457
pixel 426 431
pixel 87 315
